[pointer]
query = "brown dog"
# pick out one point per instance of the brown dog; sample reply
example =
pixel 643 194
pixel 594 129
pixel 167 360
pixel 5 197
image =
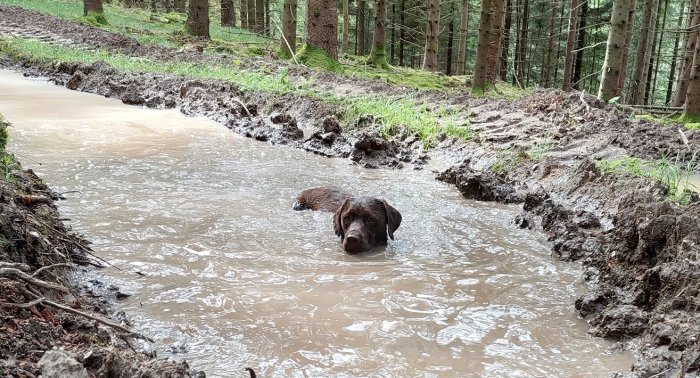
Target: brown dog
pixel 361 222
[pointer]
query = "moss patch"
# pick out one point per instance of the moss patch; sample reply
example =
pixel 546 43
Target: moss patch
pixel 377 58
pixel 94 19
pixel 316 57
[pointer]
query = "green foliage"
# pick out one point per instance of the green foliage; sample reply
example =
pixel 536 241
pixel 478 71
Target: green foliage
pixel 3 133
pixel 316 57
pixel 672 173
pixel 377 58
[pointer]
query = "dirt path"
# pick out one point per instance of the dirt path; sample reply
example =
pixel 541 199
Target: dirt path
pixel 640 250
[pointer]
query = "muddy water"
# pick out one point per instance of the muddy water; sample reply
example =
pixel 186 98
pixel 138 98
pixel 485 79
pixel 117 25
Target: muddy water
pixel 235 278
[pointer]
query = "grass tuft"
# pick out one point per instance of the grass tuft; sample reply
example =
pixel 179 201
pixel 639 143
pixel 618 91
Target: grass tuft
pixel 316 57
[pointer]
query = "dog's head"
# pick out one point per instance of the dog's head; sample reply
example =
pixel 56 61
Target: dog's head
pixel 364 222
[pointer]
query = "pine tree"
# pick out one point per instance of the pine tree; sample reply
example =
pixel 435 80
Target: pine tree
pixel 198 18
pixel 547 68
pixel 289 28
pixel 569 55
pixel 378 54
pixel 615 46
pixel 431 35
pixel 462 48
pixel 228 14
pixel 687 66
pixel 479 78
pixel 638 81
pixel 322 26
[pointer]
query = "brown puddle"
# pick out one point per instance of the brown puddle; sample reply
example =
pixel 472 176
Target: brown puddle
pixel 238 278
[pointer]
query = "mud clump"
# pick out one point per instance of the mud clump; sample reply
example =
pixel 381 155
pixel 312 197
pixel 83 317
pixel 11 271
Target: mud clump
pixel 481 185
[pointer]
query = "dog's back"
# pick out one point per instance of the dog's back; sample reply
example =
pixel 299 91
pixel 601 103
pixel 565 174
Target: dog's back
pixel 324 198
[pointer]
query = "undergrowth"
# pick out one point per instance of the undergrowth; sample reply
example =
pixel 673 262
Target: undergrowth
pixel 674 173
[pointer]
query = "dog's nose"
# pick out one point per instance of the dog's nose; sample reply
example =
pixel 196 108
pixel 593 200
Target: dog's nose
pixel 353 244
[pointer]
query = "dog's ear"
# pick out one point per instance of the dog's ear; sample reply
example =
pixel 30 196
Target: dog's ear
pixel 337 219
pixel 392 217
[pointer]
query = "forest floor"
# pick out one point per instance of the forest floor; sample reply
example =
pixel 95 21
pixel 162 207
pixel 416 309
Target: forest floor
pixel 609 190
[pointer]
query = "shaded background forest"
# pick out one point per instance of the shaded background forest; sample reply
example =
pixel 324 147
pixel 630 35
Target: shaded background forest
pixel 533 38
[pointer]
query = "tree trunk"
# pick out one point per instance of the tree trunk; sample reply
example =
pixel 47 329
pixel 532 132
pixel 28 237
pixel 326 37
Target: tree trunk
pixel 641 62
pixel 692 98
pixel 431 35
pixel 674 60
pixel 450 37
pixel 346 26
pixel 503 65
pixel 260 16
pixel 402 26
pixel 658 40
pixel 479 77
pixel 548 68
pixel 615 46
pixel 392 45
pixel 252 25
pixel 651 99
pixel 198 18
pixel 360 27
pixel 289 28
pixel 495 40
pixel 625 53
pixel 569 57
pixel 244 14
pixel 378 54
pixel 322 26
pixel 179 6
pixel 168 7
pixel 580 44
pixel 154 8
pixel 462 48
pixel 690 44
pixel 92 6
pixel 227 13
pixel 521 50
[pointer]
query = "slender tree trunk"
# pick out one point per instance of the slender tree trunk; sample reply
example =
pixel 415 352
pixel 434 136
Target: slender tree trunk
pixel 558 45
pixel 360 27
pixel 674 60
pixel 154 9
pixel 495 40
pixel 179 6
pixel 650 92
pixel 462 49
pixel 198 18
pixel 260 16
pixel 520 54
pixel 431 35
pixel 580 44
pixel 641 62
pixel 92 6
pixel 289 28
pixel 450 37
pixel 346 26
pixel 503 65
pixel 227 13
pixel 625 53
pixel 322 26
pixel 252 25
pixel 479 77
pixel 615 46
pixel 378 54
pixel 244 14
pixel 392 45
pixel 549 62
pixel 168 7
pixel 687 66
pixel 569 57
pixel 268 30
pixel 402 26
pixel 692 98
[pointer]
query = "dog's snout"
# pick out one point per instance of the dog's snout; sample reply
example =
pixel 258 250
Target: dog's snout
pixel 353 244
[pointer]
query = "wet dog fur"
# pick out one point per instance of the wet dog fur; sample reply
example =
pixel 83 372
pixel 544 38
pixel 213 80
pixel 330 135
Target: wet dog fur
pixel 360 222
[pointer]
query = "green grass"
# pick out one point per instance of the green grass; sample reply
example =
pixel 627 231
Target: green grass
pixel 47 54
pixel 672 173
pixel 8 163
pixel 394 114
pixel 316 57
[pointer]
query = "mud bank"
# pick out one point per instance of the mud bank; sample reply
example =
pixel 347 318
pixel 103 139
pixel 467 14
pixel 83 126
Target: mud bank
pixel 640 250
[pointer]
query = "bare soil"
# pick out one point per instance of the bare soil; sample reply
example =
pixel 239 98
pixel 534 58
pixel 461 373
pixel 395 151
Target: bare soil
pixel 640 250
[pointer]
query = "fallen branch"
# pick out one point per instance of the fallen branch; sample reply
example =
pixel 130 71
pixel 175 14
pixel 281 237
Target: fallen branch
pixel 244 107
pixel 29 199
pixel 43 268
pixel 22 305
pixel 18 274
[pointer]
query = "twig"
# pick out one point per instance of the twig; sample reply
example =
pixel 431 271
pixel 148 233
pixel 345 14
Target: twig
pixel 588 108
pixel 43 268
pixel 291 51
pixel 16 273
pixel 23 305
pixel 243 105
